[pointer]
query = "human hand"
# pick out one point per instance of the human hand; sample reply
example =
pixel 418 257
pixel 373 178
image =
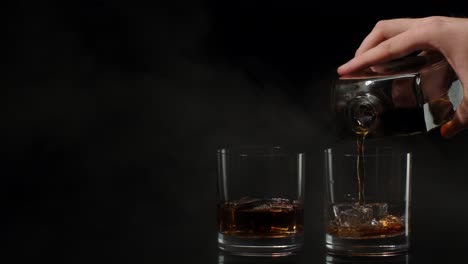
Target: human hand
pixel 392 39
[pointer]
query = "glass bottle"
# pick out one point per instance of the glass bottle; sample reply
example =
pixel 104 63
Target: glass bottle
pixel 407 96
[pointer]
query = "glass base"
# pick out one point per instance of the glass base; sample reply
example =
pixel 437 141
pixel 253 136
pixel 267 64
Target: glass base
pixel 264 247
pixel 386 246
pixel 397 259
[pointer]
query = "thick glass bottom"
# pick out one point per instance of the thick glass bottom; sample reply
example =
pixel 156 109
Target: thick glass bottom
pixel 259 246
pixel 381 246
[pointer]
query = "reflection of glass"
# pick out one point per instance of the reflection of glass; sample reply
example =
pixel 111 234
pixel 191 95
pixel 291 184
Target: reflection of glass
pixel 401 259
pixel 261 194
pixel 379 224
pixel 233 259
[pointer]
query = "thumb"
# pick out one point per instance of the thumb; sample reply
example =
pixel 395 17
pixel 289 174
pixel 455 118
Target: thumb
pixel 458 123
pixel 451 128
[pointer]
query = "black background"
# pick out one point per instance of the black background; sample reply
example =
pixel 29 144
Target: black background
pixel 113 111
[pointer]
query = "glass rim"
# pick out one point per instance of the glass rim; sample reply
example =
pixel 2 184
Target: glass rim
pixel 259 151
pixel 347 153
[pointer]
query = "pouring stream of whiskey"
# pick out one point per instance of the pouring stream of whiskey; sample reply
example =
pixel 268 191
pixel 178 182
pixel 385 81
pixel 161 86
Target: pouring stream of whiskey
pixel 361 133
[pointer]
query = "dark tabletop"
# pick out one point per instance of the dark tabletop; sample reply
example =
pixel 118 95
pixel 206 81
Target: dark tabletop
pixel 114 111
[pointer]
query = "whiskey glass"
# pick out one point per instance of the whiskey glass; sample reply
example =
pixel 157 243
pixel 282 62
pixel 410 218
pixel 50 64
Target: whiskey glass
pixel 260 200
pixel 369 214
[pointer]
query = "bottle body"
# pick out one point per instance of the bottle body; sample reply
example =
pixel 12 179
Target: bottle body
pixel 416 96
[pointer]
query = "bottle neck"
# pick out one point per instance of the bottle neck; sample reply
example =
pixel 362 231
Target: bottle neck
pixel 364 112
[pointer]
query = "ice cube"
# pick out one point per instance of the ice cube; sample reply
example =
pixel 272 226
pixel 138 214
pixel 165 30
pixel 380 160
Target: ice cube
pixel 354 215
pixel 379 210
pixel 341 207
pixel 262 207
pixel 390 221
pixel 275 204
pixel 349 218
pixel 374 223
pixel 246 203
pixel 281 204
